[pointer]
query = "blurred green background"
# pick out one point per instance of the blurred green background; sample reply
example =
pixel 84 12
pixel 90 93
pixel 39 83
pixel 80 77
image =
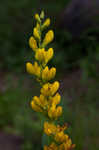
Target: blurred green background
pixel 76 46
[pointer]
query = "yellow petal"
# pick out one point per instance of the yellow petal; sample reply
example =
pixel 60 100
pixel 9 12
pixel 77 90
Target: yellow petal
pixel 35 107
pixel 52 73
pixel 37 69
pixel 48 37
pixel 56 99
pixel 30 68
pixel 36 33
pixel 45 73
pixel 40 55
pixel 54 88
pixel 46 23
pixel 33 43
pixel 49 54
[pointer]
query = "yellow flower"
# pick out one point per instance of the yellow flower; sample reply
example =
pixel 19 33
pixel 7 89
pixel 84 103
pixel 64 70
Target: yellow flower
pixel 36 33
pixel 50 89
pixel 56 99
pixel 40 101
pixel 48 74
pixel 43 101
pixel 60 137
pixel 37 17
pixel 49 54
pixel 29 68
pixel 36 107
pixel 48 37
pixel 49 128
pixel 67 145
pixel 54 87
pixel 33 43
pixel 58 111
pixel 44 56
pixel 53 146
pixel 46 23
pixel 40 55
pixel 33 69
pixel 38 26
pixel 54 112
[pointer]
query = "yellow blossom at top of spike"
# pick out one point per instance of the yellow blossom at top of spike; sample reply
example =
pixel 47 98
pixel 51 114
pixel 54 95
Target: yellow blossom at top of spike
pixel 48 74
pixel 46 23
pixel 33 69
pixel 48 37
pixel 33 43
pixel 50 89
pixel 36 33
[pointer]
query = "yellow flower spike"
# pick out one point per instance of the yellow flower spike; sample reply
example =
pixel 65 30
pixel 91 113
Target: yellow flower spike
pixel 33 43
pixel 36 107
pixel 46 23
pixel 36 33
pixel 49 98
pixel 48 37
pixel 30 68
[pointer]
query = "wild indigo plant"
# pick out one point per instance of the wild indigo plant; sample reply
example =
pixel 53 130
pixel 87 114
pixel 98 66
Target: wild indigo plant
pixel 48 101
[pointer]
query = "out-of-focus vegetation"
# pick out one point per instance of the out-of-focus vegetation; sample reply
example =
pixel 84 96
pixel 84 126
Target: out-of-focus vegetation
pixel 71 53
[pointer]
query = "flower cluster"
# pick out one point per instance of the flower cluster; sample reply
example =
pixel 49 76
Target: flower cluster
pixel 48 101
pixel 61 140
